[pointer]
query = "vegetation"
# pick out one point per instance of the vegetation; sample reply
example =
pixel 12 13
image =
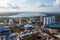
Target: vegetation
pixel 33 37
pixel 16 29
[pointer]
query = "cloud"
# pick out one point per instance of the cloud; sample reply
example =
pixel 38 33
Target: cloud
pixel 17 3
pixel 22 0
pixel 56 3
pixel 10 3
pixel 42 5
pixel 3 3
pixel 41 9
pixel 34 9
pixel 38 4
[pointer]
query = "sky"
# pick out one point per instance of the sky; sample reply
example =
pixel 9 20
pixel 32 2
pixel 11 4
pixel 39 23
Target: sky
pixel 30 5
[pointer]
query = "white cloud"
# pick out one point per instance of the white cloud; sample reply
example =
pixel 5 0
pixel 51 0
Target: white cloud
pixel 10 3
pixel 56 3
pixel 41 9
pixel 34 9
pixel 22 0
pixel 43 5
pixel 3 3
pixel 16 3
pixel 38 4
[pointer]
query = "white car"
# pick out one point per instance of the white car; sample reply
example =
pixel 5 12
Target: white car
pixel 23 34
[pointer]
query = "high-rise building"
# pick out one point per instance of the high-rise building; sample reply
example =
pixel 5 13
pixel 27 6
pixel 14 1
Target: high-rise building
pixel 5 22
pixel 49 20
pixel 45 21
pixel 20 21
pixel 11 23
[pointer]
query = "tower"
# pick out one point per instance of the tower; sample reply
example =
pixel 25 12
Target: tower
pixel 11 23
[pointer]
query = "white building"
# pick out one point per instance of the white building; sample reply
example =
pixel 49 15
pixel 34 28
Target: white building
pixel 11 23
pixel 20 21
pixel 49 20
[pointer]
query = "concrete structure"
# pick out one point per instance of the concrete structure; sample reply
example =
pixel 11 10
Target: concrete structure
pixel 33 20
pixel 5 22
pixel 49 20
pixel 11 23
pixel 41 18
pixel 53 19
pixel 6 37
pixel 4 32
pixel 20 22
pixel 13 36
pixel 45 20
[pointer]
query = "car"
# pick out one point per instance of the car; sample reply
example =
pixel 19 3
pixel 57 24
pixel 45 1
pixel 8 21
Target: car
pixel 23 34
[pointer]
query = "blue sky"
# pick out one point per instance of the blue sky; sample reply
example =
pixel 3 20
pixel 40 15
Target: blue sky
pixel 32 5
pixel 20 3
